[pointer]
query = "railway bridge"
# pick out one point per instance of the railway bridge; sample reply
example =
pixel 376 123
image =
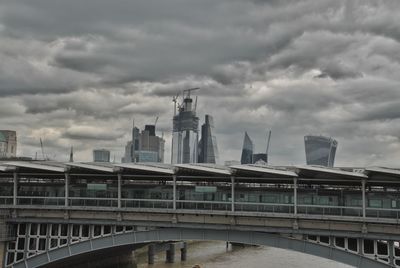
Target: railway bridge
pixel 51 212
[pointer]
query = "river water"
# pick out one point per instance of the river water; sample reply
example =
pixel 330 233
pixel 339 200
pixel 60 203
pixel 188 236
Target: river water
pixel 215 254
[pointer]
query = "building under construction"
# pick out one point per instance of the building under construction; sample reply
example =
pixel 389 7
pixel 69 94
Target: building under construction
pixel 185 130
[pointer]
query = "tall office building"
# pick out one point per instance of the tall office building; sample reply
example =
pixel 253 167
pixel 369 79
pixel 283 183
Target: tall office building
pixel 208 150
pixel 247 150
pixel 8 143
pixel 320 150
pixel 101 155
pixel 145 146
pixel 185 133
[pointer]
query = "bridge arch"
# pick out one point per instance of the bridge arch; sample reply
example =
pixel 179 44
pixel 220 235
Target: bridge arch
pixel 176 234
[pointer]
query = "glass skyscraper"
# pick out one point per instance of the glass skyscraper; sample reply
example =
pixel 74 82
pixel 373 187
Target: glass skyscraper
pixel 101 155
pixel 208 150
pixel 320 150
pixel 185 135
pixel 247 150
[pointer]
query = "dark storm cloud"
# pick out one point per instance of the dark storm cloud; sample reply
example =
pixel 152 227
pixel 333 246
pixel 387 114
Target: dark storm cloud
pixel 91 133
pixel 78 72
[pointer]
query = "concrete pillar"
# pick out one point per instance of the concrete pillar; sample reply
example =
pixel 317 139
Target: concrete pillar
pixel 295 196
pixel 15 189
pixel 184 251
pixel 119 189
pixel 391 252
pixel 134 259
pixel 151 251
pixel 2 253
pixel 66 189
pixel 233 194
pixel 360 242
pixel 170 253
pixel 364 201
pixel 174 192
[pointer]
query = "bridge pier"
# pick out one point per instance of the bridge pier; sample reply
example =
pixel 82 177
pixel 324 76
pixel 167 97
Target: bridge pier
pixel 2 253
pixel 170 253
pixel 184 251
pixel 151 251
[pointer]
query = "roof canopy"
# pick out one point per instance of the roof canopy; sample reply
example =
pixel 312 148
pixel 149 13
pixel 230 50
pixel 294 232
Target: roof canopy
pixel 262 171
pixel 319 172
pixel 255 173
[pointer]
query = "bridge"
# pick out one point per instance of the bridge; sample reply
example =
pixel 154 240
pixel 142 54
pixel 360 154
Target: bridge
pixel 51 212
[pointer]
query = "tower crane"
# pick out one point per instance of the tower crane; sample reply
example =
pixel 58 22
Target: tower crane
pixel 268 140
pixel 175 100
pixel 188 91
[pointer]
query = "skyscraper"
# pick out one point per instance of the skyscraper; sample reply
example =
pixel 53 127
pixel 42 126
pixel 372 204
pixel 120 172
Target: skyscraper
pixel 8 143
pixel 247 150
pixel 145 146
pixel 185 133
pixel 208 150
pixel 320 150
pixel 101 155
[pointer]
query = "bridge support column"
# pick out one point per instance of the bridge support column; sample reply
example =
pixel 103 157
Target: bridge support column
pixel 364 201
pixel 119 189
pixel 15 188
pixel 184 251
pixel 232 194
pixel 151 251
pixel 170 253
pixel 295 196
pixel 2 253
pixel 174 192
pixel 391 252
pixel 66 189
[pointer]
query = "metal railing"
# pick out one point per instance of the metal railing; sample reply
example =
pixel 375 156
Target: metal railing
pixel 383 213
pixel 264 207
pixel 92 202
pixel 135 203
pixel 6 200
pixel 203 205
pixel 146 203
pixel 41 200
pixel 329 210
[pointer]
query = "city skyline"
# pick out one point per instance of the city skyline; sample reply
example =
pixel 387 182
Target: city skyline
pixel 295 67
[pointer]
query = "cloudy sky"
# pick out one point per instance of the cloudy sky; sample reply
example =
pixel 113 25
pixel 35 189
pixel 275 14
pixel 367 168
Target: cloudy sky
pixel 77 72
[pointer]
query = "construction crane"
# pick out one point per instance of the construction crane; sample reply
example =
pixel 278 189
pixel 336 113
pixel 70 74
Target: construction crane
pixel 195 104
pixel 41 146
pixel 175 100
pixel 155 122
pixel 268 141
pixel 187 91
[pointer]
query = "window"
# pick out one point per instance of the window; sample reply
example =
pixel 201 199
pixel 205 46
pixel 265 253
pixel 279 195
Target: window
pixel 269 199
pixel 307 200
pixel 356 202
pixel 375 203
pixel 323 200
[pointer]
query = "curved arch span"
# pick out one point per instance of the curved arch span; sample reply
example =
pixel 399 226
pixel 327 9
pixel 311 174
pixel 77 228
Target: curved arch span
pixel 176 234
